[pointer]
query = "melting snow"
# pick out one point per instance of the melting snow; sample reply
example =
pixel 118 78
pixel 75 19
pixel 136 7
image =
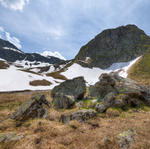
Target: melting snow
pixel 91 75
pixel 7 48
pixel 12 79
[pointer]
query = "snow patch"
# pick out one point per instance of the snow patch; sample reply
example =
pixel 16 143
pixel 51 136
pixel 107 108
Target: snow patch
pixel 13 79
pixel 12 49
pixel 54 54
pixel 91 75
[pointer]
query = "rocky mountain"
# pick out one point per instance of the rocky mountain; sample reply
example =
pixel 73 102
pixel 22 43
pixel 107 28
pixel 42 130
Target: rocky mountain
pixel 11 53
pixel 121 44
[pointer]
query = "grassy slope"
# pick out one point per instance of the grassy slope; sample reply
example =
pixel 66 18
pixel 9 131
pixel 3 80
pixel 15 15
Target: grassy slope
pixel 140 71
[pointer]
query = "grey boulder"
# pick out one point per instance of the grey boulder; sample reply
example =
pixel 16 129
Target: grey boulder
pixel 33 108
pixel 63 101
pixel 80 115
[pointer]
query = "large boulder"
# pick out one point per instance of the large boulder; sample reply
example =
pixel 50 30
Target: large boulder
pixel 117 91
pixel 69 91
pixel 63 101
pixel 80 115
pixel 34 107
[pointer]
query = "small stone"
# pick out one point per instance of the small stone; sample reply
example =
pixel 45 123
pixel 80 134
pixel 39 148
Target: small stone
pixel 80 115
pixel 126 138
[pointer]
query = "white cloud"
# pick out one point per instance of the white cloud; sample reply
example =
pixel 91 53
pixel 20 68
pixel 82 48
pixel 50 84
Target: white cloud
pixel 6 36
pixel 1 29
pixel 14 4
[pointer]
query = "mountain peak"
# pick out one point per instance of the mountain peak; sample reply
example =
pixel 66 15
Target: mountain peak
pixel 120 44
pixel 54 54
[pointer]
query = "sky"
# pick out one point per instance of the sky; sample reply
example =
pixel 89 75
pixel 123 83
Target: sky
pixel 66 25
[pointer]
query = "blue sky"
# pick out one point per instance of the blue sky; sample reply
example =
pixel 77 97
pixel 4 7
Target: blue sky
pixel 66 25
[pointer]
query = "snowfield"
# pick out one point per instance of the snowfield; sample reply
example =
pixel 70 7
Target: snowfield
pixel 91 75
pixel 13 79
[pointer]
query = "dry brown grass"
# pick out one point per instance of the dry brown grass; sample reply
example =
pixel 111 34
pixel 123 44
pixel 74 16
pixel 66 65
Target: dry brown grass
pixel 40 83
pixel 56 75
pixel 49 133
pixel 10 101
pixel 3 65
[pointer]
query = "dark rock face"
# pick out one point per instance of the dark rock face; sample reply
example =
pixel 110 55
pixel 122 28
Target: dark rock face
pixel 62 101
pixel 75 87
pixel 32 108
pixel 122 44
pixel 117 91
pixel 11 53
pixel 80 115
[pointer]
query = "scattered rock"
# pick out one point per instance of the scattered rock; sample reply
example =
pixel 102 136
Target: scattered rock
pixel 75 87
pixel 119 92
pixel 63 101
pixel 32 108
pixel 125 139
pixel 79 104
pixel 80 115
pixel 10 137
pixel 100 107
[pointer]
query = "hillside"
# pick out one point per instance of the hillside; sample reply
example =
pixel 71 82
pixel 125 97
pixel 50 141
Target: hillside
pixel 140 71
pixel 121 44
pixel 11 53
pixel 113 50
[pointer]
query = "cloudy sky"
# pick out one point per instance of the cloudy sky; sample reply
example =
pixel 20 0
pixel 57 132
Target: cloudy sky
pixel 66 25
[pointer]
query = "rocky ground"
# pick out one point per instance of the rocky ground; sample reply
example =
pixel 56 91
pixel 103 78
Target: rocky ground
pixel 68 117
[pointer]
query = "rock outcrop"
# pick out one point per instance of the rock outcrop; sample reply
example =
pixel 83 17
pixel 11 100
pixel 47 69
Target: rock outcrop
pixel 114 90
pixel 62 101
pixel 121 44
pixel 33 108
pixel 69 91
pixel 80 115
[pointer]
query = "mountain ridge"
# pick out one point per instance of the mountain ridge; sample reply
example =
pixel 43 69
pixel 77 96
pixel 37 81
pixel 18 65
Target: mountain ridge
pixel 120 44
pixel 11 53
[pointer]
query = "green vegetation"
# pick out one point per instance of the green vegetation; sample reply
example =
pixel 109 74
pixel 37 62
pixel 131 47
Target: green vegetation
pixel 140 71
pixel 89 103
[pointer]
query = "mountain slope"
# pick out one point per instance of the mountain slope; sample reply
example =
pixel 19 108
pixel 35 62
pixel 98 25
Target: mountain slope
pixel 140 71
pixel 121 44
pixel 11 53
